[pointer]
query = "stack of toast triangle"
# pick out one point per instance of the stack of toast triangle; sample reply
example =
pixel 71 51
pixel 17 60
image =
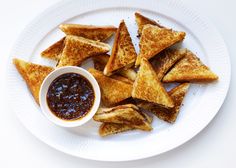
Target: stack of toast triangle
pixel 101 61
pixel 97 33
pixel 147 87
pixel 77 49
pixel 128 114
pixel 190 69
pixel 33 74
pixel 106 129
pixel 113 91
pixel 123 52
pixel 125 93
pixel 143 20
pixel 169 115
pixel 155 39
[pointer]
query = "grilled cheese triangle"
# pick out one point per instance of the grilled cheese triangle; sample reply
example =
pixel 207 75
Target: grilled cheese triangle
pixel 147 86
pixel 97 33
pixel 166 59
pixel 54 51
pixel 190 68
pixel 169 115
pixel 123 52
pixel 106 129
pixel 142 20
pixel 155 39
pixel 77 49
pixel 112 91
pixel 33 74
pixel 128 114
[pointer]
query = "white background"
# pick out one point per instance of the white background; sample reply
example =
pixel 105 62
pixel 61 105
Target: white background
pixel 214 147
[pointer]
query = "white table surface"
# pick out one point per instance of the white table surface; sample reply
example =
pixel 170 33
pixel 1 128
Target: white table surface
pixel 214 147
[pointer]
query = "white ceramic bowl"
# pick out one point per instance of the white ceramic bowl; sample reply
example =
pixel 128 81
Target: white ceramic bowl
pixel 43 96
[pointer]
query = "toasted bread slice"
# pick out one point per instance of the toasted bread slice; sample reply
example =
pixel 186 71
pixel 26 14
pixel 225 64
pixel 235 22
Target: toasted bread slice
pixel 128 114
pixel 147 86
pixel 166 59
pixel 169 115
pixel 33 75
pixel 106 129
pixel 155 39
pixel 77 49
pixel 142 20
pixel 101 61
pixel 97 33
pixel 191 69
pixel 123 52
pixel 112 91
pixel 54 51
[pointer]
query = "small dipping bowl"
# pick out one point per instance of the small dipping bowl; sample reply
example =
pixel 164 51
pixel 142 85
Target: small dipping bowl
pixel 45 88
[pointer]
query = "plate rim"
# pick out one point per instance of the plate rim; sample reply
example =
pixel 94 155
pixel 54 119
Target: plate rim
pixel 60 3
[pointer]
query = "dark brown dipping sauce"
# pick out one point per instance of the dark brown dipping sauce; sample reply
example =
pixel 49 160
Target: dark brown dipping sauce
pixel 70 96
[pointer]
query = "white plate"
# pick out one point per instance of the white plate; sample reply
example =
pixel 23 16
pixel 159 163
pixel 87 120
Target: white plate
pixel 200 106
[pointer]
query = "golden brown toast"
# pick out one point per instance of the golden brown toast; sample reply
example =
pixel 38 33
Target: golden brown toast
pixel 147 86
pixel 112 91
pixel 128 114
pixel 54 51
pixel 142 20
pixel 191 69
pixel 155 39
pixel 169 115
pixel 33 75
pixel 106 129
pixel 166 59
pixel 101 61
pixel 77 49
pixel 123 52
pixel 97 33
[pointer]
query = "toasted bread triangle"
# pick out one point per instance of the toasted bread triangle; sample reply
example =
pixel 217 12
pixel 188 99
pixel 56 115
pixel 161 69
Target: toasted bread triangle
pixel 177 94
pixel 97 33
pixel 33 74
pixel 54 51
pixel 191 69
pixel 166 59
pixel 112 91
pixel 147 86
pixel 123 52
pixel 106 129
pixel 155 39
pixel 128 114
pixel 142 20
pixel 77 49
